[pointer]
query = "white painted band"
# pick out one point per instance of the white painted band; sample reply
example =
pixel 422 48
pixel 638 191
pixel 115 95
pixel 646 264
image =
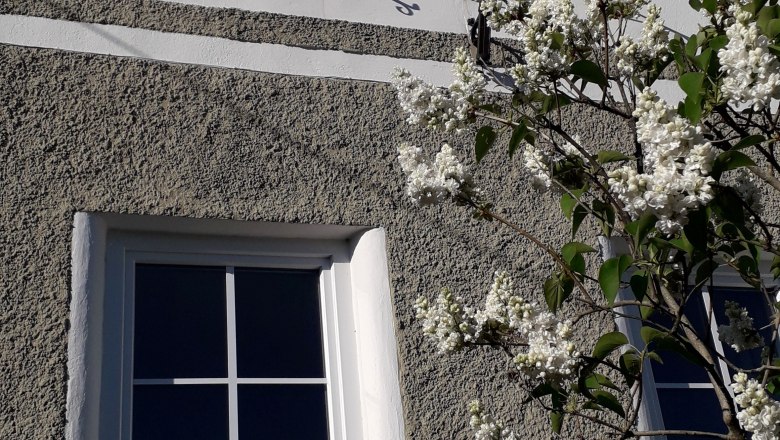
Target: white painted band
pixel 209 51
pixel 221 52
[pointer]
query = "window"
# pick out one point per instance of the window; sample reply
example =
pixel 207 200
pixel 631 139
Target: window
pixel 213 329
pixel 678 394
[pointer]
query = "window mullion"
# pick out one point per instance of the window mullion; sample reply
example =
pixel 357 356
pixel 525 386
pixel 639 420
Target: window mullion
pixel 230 291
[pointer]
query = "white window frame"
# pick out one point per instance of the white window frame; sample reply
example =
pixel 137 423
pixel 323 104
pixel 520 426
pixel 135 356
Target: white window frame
pixel 650 417
pixel 358 322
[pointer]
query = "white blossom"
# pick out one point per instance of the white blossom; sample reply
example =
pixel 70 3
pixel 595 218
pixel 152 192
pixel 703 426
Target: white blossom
pixel 652 45
pixel 486 427
pixel 739 333
pixel 615 9
pixel 504 15
pixel 431 183
pixel 758 413
pixel 443 109
pixel 752 73
pixel 447 321
pixel 548 37
pixel 677 163
pixel 548 353
pixel 538 164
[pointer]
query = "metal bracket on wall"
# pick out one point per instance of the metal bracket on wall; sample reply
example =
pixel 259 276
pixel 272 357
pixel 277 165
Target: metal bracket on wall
pixel 479 36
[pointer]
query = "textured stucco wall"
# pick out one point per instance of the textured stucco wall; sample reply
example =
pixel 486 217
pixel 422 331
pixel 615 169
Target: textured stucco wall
pixel 95 133
pixel 258 27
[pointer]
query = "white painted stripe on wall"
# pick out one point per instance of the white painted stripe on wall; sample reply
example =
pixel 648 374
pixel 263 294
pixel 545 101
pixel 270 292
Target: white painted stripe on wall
pixel 431 15
pixel 210 51
pixel 221 52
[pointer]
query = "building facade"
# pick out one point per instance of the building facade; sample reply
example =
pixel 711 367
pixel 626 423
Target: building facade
pixel 249 130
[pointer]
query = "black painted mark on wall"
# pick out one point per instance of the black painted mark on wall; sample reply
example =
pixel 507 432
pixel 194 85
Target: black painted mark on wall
pixel 406 8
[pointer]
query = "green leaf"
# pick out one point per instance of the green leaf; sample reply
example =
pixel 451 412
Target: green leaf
pixel 608 156
pixel 630 364
pixel 664 342
pixel 557 289
pixel 569 201
pixel 518 133
pixel 589 71
pixel 691 83
pixel 486 136
pixel 719 42
pixel 748 270
pixel 639 282
pixel 710 5
pixel 556 421
pixel 773 28
pixel 596 381
pixel 691 108
pixel 541 390
pixel 553 102
pixel 608 343
pixel 607 216
pixel 640 227
pixel 696 229
pixel 773 385
pixel 692 45
pixel 776 267
pixel 728 206
pixel 579 214
pixel 557 40
pixel 748 142
pixel 705 270
pixel 695 4
pixel 609 401
pixel 572 249
pixel 610 274
pixel 729 160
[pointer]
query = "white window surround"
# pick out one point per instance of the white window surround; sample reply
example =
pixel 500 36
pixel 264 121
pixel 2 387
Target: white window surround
pixel 362 310
pixel 650 417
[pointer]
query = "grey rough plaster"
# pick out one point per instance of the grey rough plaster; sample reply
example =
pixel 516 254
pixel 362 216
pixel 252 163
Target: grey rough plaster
pixel 83 132
pixel 248 26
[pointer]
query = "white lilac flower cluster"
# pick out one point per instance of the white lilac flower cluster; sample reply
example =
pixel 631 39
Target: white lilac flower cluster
pixel 538 163
pixel 652 45
pixel 748 187
pixel 752 73
pixel 504 15
pixel 447 321
pixel 677 162
pixel 442 109
pixel 431 183
pixel 739 333
pixel 549 353
pixel 758 413
pixel 548 37
pixel 615 9
pixel 486 427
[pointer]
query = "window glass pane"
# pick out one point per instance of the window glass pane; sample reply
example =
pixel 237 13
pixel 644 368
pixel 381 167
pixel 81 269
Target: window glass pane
pixel 291 412
pixel 757 308
pixel 278 325
pixel 676 369
pixel 180 322
pixel 694 409
pixel 190 412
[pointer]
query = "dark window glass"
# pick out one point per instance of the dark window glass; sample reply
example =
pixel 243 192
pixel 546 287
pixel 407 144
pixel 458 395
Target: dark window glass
pixel 290 412
pixel 693 409
pixel 676 369
pixel 192 412
pixel 757 308
pixel 180 322
pixel 278 325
